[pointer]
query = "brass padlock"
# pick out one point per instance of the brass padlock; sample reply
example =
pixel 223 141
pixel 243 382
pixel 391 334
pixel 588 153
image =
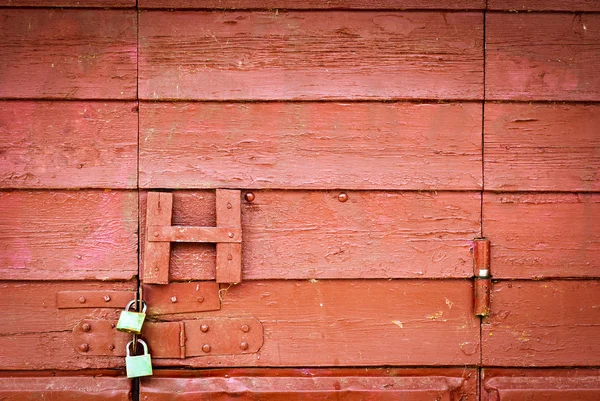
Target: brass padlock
pixel 138 365
pixel 131 322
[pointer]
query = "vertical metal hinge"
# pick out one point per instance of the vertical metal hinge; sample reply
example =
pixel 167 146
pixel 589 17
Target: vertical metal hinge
pixel 482 276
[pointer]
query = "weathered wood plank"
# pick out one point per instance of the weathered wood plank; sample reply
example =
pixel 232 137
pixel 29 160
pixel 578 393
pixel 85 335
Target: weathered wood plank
pixel 310 145
pixel 543 235
pixel 335 322
pixel 541 384
pixel 544 5
pixel 542 56
pixel 37 335
pixel 74 388
pixel 542 147
pixel 543 323
pixel 68 235
pixel 310 55
pixel 317 4
pixel 68 3
pixel 75 54
pixel 312 235
pixel 68 144
pixel 313 384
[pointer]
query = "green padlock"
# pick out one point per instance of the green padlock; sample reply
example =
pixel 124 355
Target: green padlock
pixel 138 365
pixel 131 322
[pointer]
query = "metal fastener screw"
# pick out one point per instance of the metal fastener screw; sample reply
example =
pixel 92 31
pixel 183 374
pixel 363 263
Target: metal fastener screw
pixel 111 347
pixel 244 346
pixel 156 233
pixel 86 327
pixel 229 206
pixel 229 257
pixel 206 348
pixel 230 235
pixel 245 328
pixel 200 299
pixel 342 197
pixel 81 300
pixel 84 347
pixel 204 328
pixel 107 298
pixel 112 325
pixel 249 196
pixel 173 299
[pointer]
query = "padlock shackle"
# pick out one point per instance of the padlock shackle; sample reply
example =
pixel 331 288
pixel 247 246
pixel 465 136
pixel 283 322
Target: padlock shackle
pixel 130 343
pixel 131 303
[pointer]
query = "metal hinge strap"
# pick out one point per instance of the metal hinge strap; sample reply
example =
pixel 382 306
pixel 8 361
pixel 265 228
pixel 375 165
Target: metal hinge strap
pixel 483 282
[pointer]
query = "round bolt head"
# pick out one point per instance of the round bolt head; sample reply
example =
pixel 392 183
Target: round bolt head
pixel 229 206
pixel 86 327
pixel 173 299
pixel 230 235
pixel 156 233
pixel 229 257
pixel 342 197
pixel 245 328
pixel 249 197
pixel 106 298
pixel 111 347
pixel 112 325
pixel 244 346
pixel 204 328
pixel 206 348
pixel 84 347
pixel 81 300
pixel 200 299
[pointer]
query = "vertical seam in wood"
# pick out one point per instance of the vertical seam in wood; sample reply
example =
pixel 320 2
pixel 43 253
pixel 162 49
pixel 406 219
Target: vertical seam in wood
pixel 135 383
pixel 480 367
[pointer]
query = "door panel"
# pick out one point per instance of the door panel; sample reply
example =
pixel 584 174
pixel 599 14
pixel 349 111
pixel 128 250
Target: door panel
pixel 540 385
pixel 311 234
pixel 543 235
pixel 313 384
pixel 310 55
pixel 542 323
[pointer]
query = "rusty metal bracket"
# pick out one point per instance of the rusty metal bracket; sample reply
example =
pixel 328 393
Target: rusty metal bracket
pixel 160 233
pixel 173 340
pixel 483 282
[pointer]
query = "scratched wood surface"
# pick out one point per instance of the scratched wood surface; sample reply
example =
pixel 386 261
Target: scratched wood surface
pixel 68 144
pixel 541 384
pixel 316 4
pixel 68 235
pixel 542 56
pixel 542 147
pixel 544 5
pixel 311 234
pixel 310 55
pixel 73 54
pixel 312 384
pixel 543 235
pixel 65 388
pixel 310 145
pixel 68 3
pixel 542 323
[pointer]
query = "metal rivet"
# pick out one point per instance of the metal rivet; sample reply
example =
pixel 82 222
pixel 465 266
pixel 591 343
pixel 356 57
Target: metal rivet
pixel 245 328
pixel 112 325
pixel 204 328
pixel 244 345
pixel 107 298
pixel 111 347
pixel 342 197
pixel 206 348
pixel 84 347
pixel 156 233
pixel 86 327
pixel 229 206
pixel 230 235
pixel 156 269
pixel 80 166
pixel 200 299
pixel 229 257
pixel 81 300
pixel 78 256
pixel 173 299
pixel 249 196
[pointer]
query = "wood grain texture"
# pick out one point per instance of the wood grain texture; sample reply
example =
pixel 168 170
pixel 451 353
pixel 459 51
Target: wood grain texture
pixel 68 235
pixel 542 56
pixel 543 323
pixel 310 55
pixel 68 144
pixel 36 335
pixel 311 235
pixel 310 145
pixel 74 54
pixel 544 5
pixel 313 384
pixel 543 235
pixel 316 4
pixel 541 384
pixel 542 147
pixel 92 388
pixel 68 3
pixel 335 322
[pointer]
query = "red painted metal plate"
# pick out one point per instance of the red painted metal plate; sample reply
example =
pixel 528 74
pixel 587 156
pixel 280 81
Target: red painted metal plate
pixel 540 385
pixel 543 323
pixel 181 297
pixel 543 235
pixel 310 55
pixel 76 388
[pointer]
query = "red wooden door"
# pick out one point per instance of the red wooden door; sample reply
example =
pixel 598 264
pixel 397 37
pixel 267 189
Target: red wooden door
pixel 343 156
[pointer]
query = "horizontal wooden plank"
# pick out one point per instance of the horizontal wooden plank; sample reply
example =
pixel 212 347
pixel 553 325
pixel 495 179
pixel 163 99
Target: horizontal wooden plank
pixel 68 235
pixel 310 55
pixel 543 235
pixel 545 147
pixel 314 384
pixel 542 323
pixel 542 56
pixel 37 335
pixel 312 235
pixel 543 5
pixel 75 388
pixel 74 54
pixel 317 4
pixel 541 385
pixel 335 322
pixel 310 145
pixel 68 3
pixel 68 144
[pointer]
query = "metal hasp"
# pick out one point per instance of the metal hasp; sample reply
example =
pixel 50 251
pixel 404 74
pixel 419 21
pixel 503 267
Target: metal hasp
pixel 160 233
pixel 483 281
